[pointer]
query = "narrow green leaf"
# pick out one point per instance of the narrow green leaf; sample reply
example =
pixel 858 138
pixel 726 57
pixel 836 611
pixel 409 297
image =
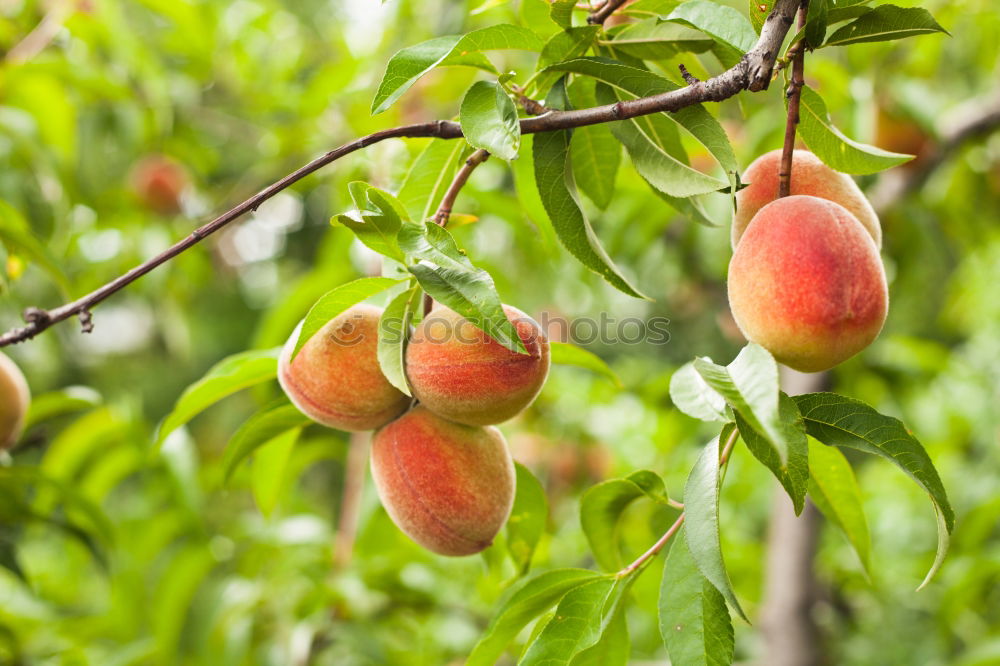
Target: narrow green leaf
pixel 653 39
pixel 750 385
pixel 818 17
pixel 562 13
pixel 393 333
pixel 581 619
pixel 489 120
pixel 602 506
pixel 409 64
pixel 694 621
pixel 693 396
pixel 759 11
pixel 837 420
pixel 701 506
pixel 380 221
pixel 836 150
pixel 444 272
pixel 885 23
pixel 525 602
pixel 613 647
pixel 269 473
pixel 337 301
pixel 527 518
pixel 58 403
pixel 724 24
pixel 554 178
pixel 276 419
pixel 563 353
pixel 793 476
pixel 16 234
pixel 834 489
pixel 230 375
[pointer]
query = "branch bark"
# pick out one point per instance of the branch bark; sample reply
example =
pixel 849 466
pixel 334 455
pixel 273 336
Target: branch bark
pixel 601 15
pixel 752 72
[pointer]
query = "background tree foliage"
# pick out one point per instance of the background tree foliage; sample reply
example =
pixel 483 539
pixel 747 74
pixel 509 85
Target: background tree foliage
pixel 117 552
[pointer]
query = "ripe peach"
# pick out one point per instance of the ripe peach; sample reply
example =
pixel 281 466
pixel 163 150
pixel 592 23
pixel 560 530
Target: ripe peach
pixel 462 374
pixel 335 379
pixel 806 282
pixel 809 176
pixel 448 486
pixel 14 399
pixel 159 181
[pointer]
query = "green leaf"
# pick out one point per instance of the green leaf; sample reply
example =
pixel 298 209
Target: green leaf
pixel 818 17
pixel 793 476
pixel 759 11
pixel 557 189
pixel 429 177
pixel 269 473
pixel 526 523
pixel 393 333
pixel 613 647
pixel 885 23
pixel 653 39
pixel 834 489
pixel 694 621
pixel 58 403
pixel 562 13
pixel 409 64
pixel 524 603
pixel 693 396
pixel 701 506
pixel 602 506
pixel 274 420
pixel 643 83
pixel 380 221
pixel 230 375
pixel 445 273
pixel 837 420
pixel 750 385
pixel 723 24
pixel 337 301
pixel 836 150
pixel 581 619
pixel 489 120
pixel 563 353
pixel 564 45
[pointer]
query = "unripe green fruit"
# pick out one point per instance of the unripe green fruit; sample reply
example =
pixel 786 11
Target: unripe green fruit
pixel 462 374
pixel 448 486
pixel 14 400
pixel 809 176
pixel 335 378
pixel 806 282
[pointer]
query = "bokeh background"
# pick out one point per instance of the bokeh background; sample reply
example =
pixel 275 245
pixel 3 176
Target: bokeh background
pixel 178 567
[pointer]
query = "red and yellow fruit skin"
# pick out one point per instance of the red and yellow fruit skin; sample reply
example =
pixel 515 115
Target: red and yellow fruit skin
pixel 448 486
pixel 14 400
pixel 806 282
pixel 335 379
pixel 809 176
pixel 462 374
pixel 159 183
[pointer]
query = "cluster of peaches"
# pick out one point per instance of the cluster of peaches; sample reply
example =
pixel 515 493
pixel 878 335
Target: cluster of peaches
pixel 444 474
pixel 806 281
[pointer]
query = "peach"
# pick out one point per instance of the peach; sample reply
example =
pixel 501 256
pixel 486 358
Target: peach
pixel 14 400
pixel 462 374
pixel 448 486
pixel 335 379
pixel 159 181
pixel 809 176
pixel 806 283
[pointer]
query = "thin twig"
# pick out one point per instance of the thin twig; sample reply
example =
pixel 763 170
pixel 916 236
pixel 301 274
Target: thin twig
pixel 792 121
pixel 350 506
pixel 752 73
pixel 462 177
pixel 672 530
pixel 599 16
pixel 43 34
pixel 690 78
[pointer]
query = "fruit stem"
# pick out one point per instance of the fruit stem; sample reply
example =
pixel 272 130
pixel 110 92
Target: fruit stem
pixel 794 93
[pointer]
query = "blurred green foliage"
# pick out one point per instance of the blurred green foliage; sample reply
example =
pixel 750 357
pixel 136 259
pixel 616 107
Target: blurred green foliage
pixel 189 569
